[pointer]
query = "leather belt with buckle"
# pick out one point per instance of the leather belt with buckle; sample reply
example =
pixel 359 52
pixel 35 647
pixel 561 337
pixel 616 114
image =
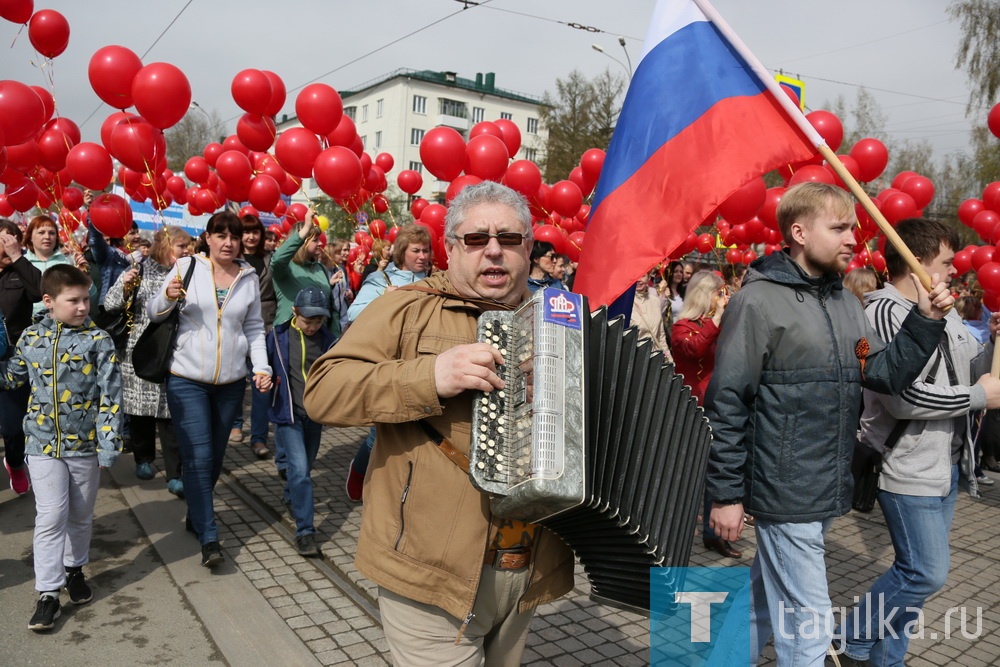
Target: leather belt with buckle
pixel 516 558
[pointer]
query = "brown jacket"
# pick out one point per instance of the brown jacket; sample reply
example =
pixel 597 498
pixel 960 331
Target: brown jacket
pixel 424 528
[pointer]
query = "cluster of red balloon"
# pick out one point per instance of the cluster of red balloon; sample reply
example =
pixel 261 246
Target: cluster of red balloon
pixel 983 217
pixel 559 208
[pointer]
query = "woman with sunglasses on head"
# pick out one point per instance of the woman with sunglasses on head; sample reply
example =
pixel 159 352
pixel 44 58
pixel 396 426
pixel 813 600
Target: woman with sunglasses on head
pixel 411 261
pixel 542 266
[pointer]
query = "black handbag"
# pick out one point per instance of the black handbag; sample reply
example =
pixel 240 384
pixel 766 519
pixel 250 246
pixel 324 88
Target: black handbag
pixel 154 350
pixel 118 324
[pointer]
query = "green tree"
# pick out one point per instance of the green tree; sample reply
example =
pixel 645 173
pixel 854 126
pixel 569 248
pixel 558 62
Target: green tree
pixel 189 137
pixel 979 48
pixel 580 115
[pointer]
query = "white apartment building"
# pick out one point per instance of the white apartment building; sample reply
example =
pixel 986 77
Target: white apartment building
pixel 393 112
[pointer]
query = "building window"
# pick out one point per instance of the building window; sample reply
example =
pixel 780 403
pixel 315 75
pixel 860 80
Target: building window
pixel 378 139
pixel 532 126
pixel 419 104
pixel 417 167
pixel 364 113
pixel 506 116
pixel 351 112
pixel 478 114
pixel 379 108
pixel 530 154
pixel 364 141
pixel 416 136
pixel 453 108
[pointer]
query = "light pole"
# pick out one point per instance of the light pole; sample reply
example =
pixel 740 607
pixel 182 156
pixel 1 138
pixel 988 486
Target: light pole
pixel 621 40
pixel 212 123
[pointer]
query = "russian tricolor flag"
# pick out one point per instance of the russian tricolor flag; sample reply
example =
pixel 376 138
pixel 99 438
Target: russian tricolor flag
pixel 702 117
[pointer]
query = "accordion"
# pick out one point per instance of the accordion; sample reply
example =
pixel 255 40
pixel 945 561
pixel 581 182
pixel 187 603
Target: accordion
pixel 594 437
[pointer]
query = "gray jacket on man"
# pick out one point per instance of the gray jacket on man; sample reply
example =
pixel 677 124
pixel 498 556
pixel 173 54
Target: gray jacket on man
pixel 785 396
pixel 938 405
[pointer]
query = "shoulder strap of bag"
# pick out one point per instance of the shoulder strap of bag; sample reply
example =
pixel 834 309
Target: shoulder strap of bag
pixel 485 304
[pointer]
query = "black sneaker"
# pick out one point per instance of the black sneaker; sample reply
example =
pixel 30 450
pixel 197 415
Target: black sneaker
pixel 306 546
pixel 211 555
pixel 76 586
pixel 46 612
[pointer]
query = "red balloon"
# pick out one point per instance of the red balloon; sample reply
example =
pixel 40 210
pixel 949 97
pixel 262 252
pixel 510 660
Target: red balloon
pixel 22 112
pixel 162 94
pixel 993 122
pixel 410 181
pixel 968 209
pixel 280 208
pixel 575 245
pixel 734 256
pixel 486 157
pixel 176 185
pixel 364 240
pixel 459 184
pixel 17 11
pixel 233 143
pixel 277 99
pixel 898 206
pixel 920 188
pixel 71 129
pixel 380 204
pixel 72 198
pixel 768 211
pixel 591 162
pixel 811 173
pixel 111 122
pixel 745 203
pixel 290 185
pixel 565 198
pixel 377 229
pixel 251 91
pixel 24 157
pixel 138 145
pixel 511 135
pixel 982 256
pixel 872 157
pixel 22 194
pixel 962 262
pixel 552 234
pixel 337 172
pixel 111 215
pixel 54 146
pixel 344 134
pixel 234 168
pixel 991 196
pixel 384 162
pixel 319 108
pixel 264 193
pixel 48 103
pixel 212 152
pixel 523 176
pixel 828 126
pixel 850 164
pixel 196 169
pixel 901 178
pixel 374 180
pixel 6 209
pixel 485 127
pixel 111 72
pixel 48 32
pixel 878 261
pixel 296 150
pixel 433 217
pixel 256 132
pixel 442 151
pixel 706 243
pixel 417 207
pixel 576 175
pixel 984 223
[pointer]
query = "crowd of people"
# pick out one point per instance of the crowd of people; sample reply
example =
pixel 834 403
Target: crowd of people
pixel 391 346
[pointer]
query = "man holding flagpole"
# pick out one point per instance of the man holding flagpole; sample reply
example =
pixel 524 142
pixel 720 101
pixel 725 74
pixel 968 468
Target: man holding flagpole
pixel 791 361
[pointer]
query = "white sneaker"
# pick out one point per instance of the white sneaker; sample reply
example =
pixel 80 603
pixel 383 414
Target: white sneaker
pixel 984 480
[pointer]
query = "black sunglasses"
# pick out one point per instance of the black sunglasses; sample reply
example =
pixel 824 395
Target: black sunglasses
pixel 479 239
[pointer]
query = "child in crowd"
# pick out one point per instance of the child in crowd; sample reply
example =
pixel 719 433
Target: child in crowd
pixel 292 347
pixel 72 430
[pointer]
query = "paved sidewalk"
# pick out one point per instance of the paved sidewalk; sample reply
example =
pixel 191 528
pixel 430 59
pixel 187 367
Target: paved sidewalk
pixel 268 606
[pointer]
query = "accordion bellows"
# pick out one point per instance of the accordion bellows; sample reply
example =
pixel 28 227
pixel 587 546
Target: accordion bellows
pixel 594 437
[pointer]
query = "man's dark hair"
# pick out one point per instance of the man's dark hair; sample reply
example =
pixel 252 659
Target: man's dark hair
pixel 59 277
pixel 924 238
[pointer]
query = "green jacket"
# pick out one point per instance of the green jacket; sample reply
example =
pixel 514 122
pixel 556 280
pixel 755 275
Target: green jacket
pixel 290 278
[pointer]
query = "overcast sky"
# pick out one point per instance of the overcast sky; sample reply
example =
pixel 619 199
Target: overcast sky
pixel 903 51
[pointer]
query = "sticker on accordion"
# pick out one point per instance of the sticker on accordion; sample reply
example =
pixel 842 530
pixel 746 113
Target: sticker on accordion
pixel 563 308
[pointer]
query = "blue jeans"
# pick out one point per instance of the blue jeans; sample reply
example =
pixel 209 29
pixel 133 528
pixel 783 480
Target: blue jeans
pixel 13 406
pixel 300 442
pixel 918 526
pixel 260 402
pixel 203 416
pixel 360 463
pixel 789 595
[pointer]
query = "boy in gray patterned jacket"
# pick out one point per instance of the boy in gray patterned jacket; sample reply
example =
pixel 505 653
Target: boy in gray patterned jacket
pixel 72 430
